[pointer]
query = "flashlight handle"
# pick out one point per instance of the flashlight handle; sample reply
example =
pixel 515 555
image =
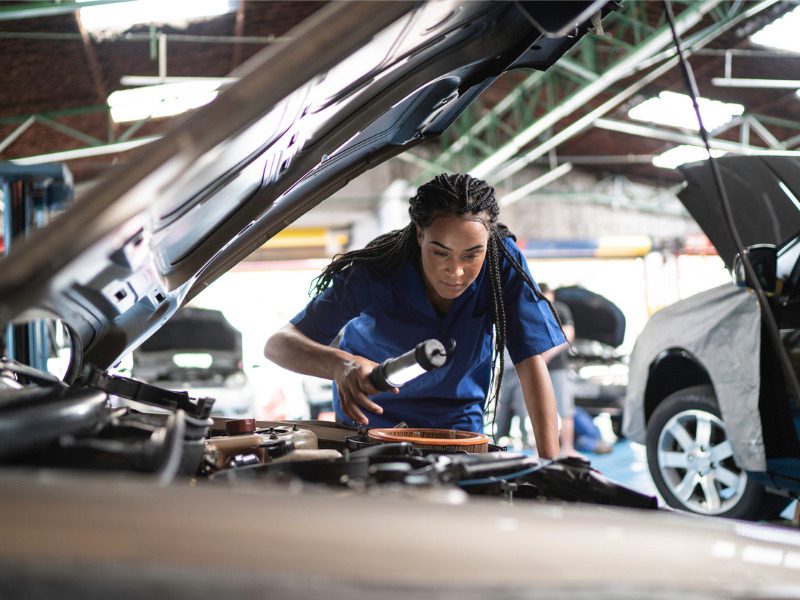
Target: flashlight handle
pixel 397 371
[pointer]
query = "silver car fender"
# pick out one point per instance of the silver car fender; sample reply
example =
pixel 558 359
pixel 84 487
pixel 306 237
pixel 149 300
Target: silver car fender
pixel 721 329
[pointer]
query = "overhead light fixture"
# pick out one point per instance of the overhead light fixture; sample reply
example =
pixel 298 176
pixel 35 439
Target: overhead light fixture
pixel 781 34
pixel 674 157
pixel 750 82
pixel 158 101
pixel 140 80
pixel 676 110
pixel 121 16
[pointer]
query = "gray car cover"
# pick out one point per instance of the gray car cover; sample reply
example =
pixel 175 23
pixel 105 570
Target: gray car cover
pixel 721 329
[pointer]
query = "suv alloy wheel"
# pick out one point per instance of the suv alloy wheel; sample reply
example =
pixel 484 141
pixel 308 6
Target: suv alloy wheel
pixel 691 460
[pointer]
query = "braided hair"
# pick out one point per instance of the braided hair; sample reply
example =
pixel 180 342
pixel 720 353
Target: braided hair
pixel 457 194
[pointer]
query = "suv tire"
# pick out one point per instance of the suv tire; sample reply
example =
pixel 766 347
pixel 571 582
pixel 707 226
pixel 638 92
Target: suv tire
pixel 691 460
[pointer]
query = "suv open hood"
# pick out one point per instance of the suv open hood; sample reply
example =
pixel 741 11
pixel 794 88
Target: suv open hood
pixel 357 84
pixel 763 193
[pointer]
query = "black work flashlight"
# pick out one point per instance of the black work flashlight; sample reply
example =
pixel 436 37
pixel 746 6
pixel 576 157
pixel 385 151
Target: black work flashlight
pixel 426 356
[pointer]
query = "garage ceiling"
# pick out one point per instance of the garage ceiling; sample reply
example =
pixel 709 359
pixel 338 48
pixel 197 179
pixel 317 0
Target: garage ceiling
pixel 57 77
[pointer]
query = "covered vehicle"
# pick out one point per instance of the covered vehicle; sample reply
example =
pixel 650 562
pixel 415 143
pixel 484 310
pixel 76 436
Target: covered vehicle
pixel 233 507
pixel 707 393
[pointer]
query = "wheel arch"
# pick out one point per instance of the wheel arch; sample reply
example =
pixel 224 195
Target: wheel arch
pixel 673 369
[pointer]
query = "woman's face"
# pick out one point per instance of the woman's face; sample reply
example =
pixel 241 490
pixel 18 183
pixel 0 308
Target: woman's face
pixel 453 249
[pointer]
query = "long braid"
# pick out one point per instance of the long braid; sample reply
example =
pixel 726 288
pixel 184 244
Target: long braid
pixel 383 254
pixel 499 318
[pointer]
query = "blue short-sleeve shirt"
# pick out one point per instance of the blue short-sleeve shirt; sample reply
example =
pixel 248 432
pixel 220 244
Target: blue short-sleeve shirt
pixel 385 316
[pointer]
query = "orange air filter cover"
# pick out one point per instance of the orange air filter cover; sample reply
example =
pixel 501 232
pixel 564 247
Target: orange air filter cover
pixel 443 440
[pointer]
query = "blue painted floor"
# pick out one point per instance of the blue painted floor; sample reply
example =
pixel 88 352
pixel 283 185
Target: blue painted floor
pixel 626 464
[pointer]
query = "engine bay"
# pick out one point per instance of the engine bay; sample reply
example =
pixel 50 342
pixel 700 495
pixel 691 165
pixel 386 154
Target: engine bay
pixel 108 425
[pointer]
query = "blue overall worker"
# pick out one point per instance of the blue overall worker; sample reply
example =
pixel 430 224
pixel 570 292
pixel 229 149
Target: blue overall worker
pixel 453 273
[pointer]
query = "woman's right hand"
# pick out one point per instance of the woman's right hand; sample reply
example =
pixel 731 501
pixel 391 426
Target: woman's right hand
pixel 354 388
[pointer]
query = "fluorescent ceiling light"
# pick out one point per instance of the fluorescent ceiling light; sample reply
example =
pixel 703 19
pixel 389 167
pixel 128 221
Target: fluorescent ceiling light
pixel 781 34
pixel 679 155
pixel 676 110
pixel 123 15
pixel 140 80
pixel 751 82
pixel 156 101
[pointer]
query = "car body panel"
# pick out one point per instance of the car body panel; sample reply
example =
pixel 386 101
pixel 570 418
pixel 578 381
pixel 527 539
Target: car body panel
pixel 763 192
pixel 208 540
pixel 726 317
pixel 720 330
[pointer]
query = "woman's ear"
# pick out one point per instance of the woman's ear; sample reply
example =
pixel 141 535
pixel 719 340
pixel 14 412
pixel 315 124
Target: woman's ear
pixel 420 235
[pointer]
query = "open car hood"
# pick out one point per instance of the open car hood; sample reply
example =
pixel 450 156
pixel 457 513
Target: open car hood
pixel 763 193
pixel 357 84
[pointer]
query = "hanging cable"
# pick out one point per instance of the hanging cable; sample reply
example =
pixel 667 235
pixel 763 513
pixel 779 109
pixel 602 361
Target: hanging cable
pixel 769 319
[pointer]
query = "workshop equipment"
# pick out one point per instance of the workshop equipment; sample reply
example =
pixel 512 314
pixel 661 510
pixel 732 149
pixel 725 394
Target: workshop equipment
pixel 31 195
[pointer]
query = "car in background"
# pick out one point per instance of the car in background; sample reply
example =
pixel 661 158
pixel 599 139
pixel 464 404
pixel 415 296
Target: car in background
pixel 200 352
pixel 709 393
pixel 599 371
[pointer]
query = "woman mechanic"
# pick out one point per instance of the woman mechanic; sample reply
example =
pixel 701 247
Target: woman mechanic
pixel 453 273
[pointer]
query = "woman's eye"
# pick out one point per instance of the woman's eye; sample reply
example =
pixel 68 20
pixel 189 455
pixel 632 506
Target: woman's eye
pixel 442 254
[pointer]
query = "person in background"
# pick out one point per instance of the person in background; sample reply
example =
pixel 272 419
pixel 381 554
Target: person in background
pixel 588 437
pixel 454 272
pixel 558 366
pixel 578 431
pixel 510 404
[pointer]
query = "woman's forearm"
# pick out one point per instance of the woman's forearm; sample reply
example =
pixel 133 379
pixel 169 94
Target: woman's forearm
pixel 291 349
pixel 540 401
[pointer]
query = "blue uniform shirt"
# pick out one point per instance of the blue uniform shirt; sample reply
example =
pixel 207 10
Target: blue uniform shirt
pixel 385 316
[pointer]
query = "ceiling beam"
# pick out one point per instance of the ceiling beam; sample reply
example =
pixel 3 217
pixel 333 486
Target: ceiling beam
pixel 623 68
pixel 262 40
pixel 86 152
pixel 11 137
pixel 536 184
pixel 586 121
pixel 238 30
pixel 677 137
pixel 95 71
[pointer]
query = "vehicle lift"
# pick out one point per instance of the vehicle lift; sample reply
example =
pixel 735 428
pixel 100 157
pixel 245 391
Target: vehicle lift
pixel 30 195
